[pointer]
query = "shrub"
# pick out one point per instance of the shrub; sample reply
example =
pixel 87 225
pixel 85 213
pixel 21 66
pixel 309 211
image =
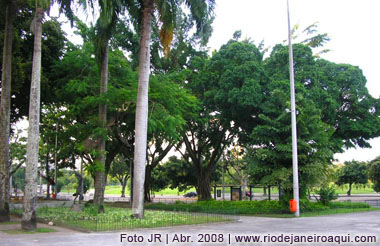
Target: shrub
pixel 60 185
pixel 326 194
pixel 308 206
pixel 228 207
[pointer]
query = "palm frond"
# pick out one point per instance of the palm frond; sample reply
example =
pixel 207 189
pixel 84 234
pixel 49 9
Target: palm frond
pixel 167 10
pixel 202 12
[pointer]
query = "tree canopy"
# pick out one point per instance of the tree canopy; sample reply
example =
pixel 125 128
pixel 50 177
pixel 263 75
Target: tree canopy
pixel 203 106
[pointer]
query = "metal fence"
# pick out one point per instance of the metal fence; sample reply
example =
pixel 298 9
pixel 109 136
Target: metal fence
pixel 122 219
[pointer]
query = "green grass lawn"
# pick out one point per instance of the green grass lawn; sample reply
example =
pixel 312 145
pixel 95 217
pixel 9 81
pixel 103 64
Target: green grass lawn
pixel 361 190
pixel 9 223
pixel 120 218
pixel 20 231
pixel 116 190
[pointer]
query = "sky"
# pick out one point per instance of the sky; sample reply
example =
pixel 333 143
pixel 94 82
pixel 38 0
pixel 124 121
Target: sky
pixel 352 25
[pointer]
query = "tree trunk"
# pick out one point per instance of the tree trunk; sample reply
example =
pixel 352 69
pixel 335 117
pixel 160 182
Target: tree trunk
pixel 147 183
pixel 5 113
pixel 10 187
pixel 123 185
pixel 131 183
pixel 141 122
pixel 29 221
pixel 244 187
pixel 349 189
pixel 47 176
pixel 100 178
pixel 204 188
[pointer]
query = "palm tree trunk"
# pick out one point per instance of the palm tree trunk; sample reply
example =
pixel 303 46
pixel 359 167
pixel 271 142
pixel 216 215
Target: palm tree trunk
pixel 5 105
pixel 29 221
pixel 141 123
pixel 100 178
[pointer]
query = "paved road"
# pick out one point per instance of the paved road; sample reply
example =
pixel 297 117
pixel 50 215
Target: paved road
pixel 348 226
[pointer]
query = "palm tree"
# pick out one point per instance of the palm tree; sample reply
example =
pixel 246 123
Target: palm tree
pixel 105 27
pixel 166 9
pixel 5 105
pixel 29 220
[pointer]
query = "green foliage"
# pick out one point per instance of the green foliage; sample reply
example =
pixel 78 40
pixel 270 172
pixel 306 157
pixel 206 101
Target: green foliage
pixel 78 76
pixel 353 172
pixel 86 184
pixel 70 182
pixel 326 194
pixel 18 179
pixel 17 151
pixel 53 44
pixel 337 90
pixel 255 207
pixel 374 173
pixel 229 207
pixel 234 96
pixel 160 180
pixel 332 104
pixel 120 167
pixel 59 185
pixel 180 174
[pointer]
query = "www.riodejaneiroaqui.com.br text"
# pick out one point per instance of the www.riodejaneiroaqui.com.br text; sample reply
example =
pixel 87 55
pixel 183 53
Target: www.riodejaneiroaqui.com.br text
pixel 236 239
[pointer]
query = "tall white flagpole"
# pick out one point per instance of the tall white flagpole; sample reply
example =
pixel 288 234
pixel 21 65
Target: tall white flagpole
pixel 293 116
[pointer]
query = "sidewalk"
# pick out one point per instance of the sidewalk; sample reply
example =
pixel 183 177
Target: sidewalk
pixel 342 225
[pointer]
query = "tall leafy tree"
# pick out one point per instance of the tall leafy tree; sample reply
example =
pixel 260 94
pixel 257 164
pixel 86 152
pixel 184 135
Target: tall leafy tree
pixel 169 106
pixel 121 171
pixel 353 172
pixel 374 173
pixel 76 74
pixel 338 90
pixel 342 106
pixel 166 11
pixel 270 141
pixel 5 110
pixel 229 88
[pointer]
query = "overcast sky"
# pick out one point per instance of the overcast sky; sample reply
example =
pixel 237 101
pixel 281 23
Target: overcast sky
pixel 352 25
